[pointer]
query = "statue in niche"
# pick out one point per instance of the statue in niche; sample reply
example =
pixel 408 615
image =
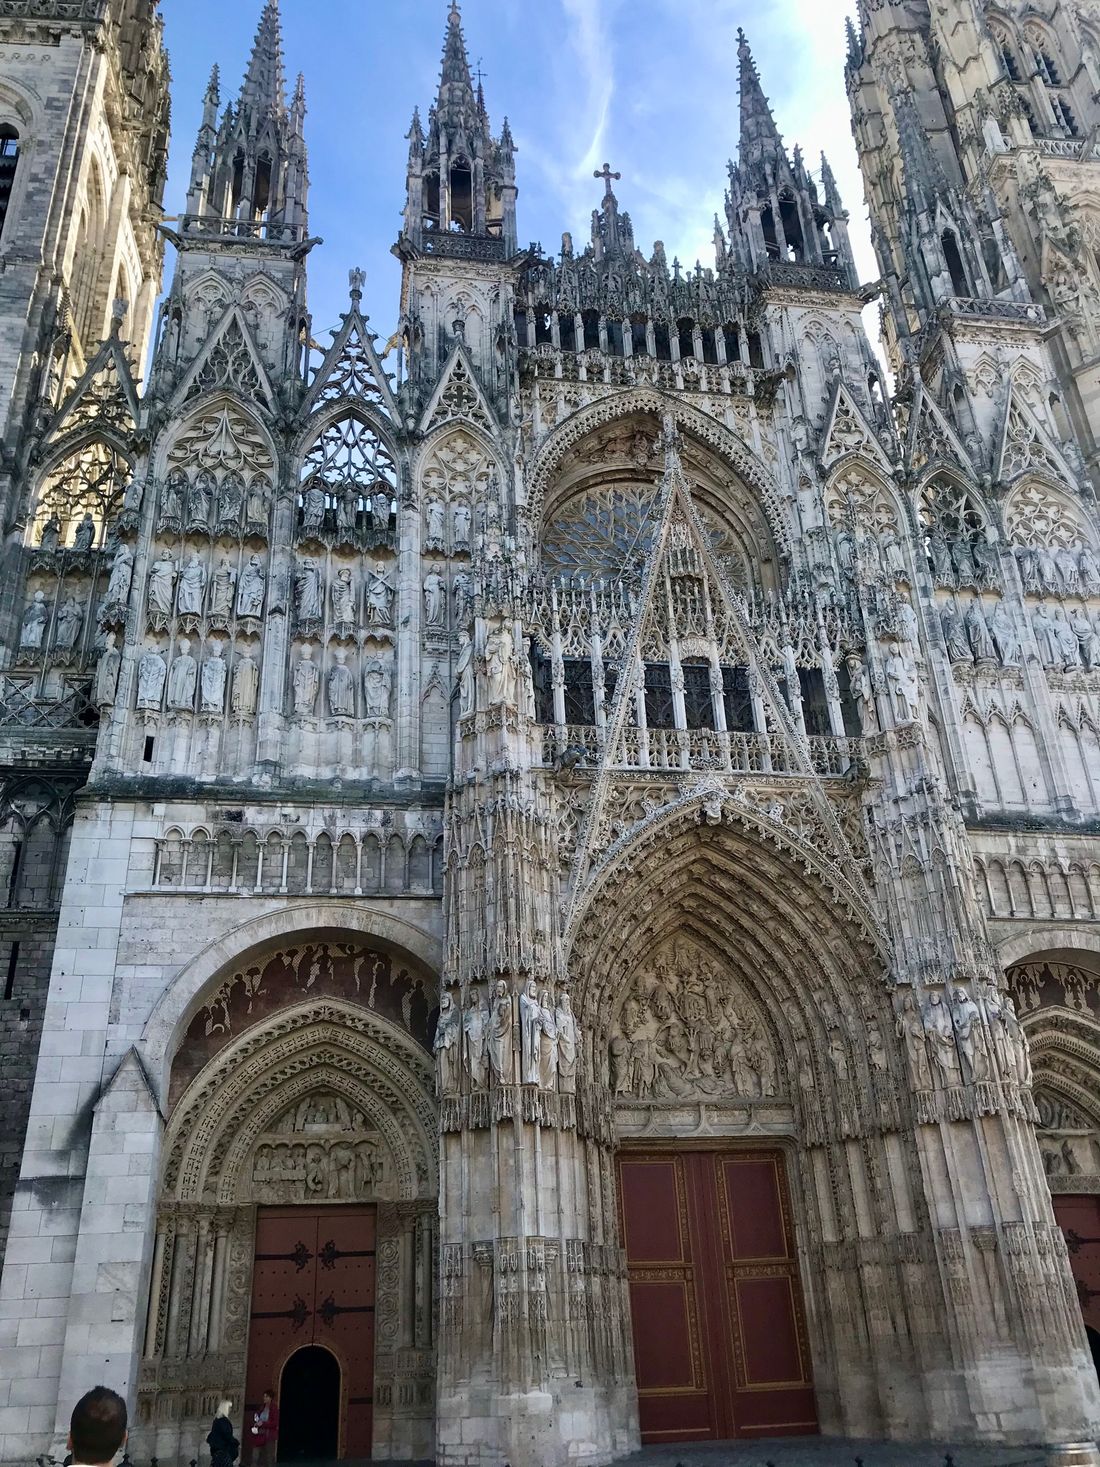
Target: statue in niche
pixel 460 521
pixel 475 1028
pixel 434 513
pixel 464 674
pixel 49 537
pixel 35 621
pixel 379 597
pixel 969 1036
pixel 502 1054
pixel 171 499
pixel 162 583
pixel 347 507
pixel 1088 644
pixel 568 1045
pixel 912 1033
pixel 214 672
pixel 530 1020
pixel 182 677
pixel 901 679
pixel 380 507
pixel 435 598
pixel 251 589
pixel 1047 569
pixel 306 682
pixel 1068 652
pixel 1089 571
pixel 152 674
pixel 1046 636
pixel 940 554
pixel 548 1041
pixel 222 584
pixel 890 553
pixel 908 629
pixel 954 634
pixel 192 587
pixel 500 664
pixel 1068 570
pixel 941 1040
pixel 448 1047
pixel 462 591
pixel 1005 635
pixel 202 496
pixel 343 597
pixel 122 577
pixel 307 589
pixel 863 695
pixel 257 504
pixel 84 538
pixel 377 689
pixel 231 501
pixel 962 561
pixel 977 631
pixel 1009 1043
pixel 70 623
pixel 106 673
pixel 341 687
pixel 246 684
pixel 876 1045
pixel 314 504
pixel 985 561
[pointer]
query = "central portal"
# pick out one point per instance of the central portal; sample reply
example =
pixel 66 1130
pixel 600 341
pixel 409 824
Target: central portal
pixel 719 1332
pixel 311 1333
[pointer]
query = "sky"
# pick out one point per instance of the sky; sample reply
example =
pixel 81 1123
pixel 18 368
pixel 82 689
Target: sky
pixel 649 86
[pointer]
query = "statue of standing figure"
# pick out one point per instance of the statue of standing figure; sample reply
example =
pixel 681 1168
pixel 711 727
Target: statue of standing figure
pixel 214 672
pixel 448 1046
pixel 307 679
pixel 182 678
pixel 341 687
pixel 36 618
pixel 152 674
pixel 475 1026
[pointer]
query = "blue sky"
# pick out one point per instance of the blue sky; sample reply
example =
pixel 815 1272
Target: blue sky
pixel 649 85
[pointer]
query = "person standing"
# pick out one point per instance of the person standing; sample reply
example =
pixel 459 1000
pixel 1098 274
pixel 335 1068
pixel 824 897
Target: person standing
pixel 265 1432
pixel 224 1446
pixel 97 1428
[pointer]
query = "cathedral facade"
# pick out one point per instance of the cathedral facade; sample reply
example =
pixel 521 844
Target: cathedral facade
pixel 552 864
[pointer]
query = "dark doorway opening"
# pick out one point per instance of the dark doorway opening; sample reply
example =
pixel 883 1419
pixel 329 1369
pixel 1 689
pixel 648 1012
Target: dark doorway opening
pixel 309 1407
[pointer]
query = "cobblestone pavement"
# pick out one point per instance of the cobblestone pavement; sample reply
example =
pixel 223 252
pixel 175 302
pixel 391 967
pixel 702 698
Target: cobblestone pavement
pixel 822 1452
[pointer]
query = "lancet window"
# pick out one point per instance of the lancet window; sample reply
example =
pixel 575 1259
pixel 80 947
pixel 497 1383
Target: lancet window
pixel 9 162
pixel 92 481
pixel 347 453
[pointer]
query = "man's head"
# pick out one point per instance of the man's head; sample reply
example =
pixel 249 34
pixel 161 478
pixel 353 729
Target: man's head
pixel 269 1396
pixel 97 1430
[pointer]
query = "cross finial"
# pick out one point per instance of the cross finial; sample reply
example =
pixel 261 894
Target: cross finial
pixel 606 174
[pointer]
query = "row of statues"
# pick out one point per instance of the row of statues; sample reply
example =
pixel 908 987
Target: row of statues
pixel 346 513
pixel 527 1038
pixel 189 589
pixel 175 682
pixel 436 515
pixel 1061 571
pixel 1065 643
pixel 961 560
pixel 205 504
pixel 340 686
pixel 84 536
pixel 948 1045
pixel 67 623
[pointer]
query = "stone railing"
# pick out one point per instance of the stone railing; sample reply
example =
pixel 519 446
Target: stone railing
pixel 702 750
pixel 72 10
pixel 1025 312
pixel 463 246
pixel 786 273
pixel 263 231
pixel 731 379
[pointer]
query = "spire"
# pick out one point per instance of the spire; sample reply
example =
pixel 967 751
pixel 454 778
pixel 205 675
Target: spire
pixel 264 86
pixel 832 193
pixel 759 134
pixel 456 61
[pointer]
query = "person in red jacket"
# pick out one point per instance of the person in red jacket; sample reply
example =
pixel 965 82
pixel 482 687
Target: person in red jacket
pixel 265 1432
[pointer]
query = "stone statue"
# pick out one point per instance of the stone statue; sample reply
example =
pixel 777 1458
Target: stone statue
pixel 1046 637
pixel 1088 644
pixel 475 1025
pixel 307 588
pixel 343 597
pixel 230 501
pixel 977 631
pixel 502 1053
pixel 1027 562
pixel 213 679
pixel 152 672
pixel 1089 570
pixel 462 590
pixel 890 553
pixel 908 629
pixel 162 583
pixel 70 623
pixel 942 571
pixel 530 1027
pixel 341 687
pixel 1068 570
pixel 434 513
pixel 501 667
pixel 969 1036
pixel 192 587
pixel 171 499
pixel 202 499
pixel 568 1045
pixel 122 577
pixel 448 1047
pixel 380 505
pixel 954 634
pixel 221 589
pixel 36 618
pixel 962 561
pixel 1047 568
pixel 256 506
pixel 251 589
pixel 460 522
pixel 49 536
pixel 347 508
pixel 941 1041
pixel 1005 635
pixel 549 1040
pixel 377 689
pixel 1068 650
pixel 182 677
pixel 464 674
pixel 84 538
pixel 306 682
pixel 314 504
pixel 379 598
pixel 901 678
pixel 246 683
pixel 106 673
pixel 435 598
pixel 859 680
pixel 911 1031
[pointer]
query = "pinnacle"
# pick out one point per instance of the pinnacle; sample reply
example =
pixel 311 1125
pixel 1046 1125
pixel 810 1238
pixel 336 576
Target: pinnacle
pixel 265 82
pixel 758 129
pixel 456 62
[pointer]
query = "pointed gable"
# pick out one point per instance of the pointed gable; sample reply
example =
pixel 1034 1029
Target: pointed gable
pixel 104 397
pixel 847 431
pixel 458 396
pixel 931 438
pixel 1026 448
pixel 231 361
pixel 352 370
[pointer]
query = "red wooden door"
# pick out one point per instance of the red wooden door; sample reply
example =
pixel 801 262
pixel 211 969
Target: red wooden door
pixel 1079 1219
pixel 719 1333
pixel 314 1284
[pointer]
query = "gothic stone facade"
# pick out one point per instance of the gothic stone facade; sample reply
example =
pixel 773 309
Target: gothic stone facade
pixel 612 727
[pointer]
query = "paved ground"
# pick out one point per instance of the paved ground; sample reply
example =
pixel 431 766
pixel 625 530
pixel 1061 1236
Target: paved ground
pixel 817 1452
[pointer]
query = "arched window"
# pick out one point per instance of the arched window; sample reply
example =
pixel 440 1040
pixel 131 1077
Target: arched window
pixel 954 262
pixel 431 201
pixel 685 330
pixel 349 453
pixel 90 481
pixel 462 198
pixel 9 162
